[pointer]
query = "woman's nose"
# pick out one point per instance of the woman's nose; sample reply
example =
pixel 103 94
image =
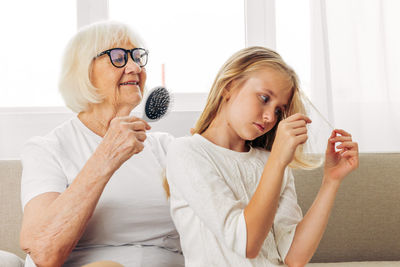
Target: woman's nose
pixel 132 66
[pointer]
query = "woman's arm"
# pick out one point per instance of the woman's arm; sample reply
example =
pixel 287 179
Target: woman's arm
pixel 53 223
pixel 310 230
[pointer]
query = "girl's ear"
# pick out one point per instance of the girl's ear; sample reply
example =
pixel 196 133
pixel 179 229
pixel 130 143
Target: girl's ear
pixel 226 94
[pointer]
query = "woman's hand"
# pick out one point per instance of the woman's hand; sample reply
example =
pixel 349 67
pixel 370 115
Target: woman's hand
pixel 291 132
pixel 340 163
pixel 123 139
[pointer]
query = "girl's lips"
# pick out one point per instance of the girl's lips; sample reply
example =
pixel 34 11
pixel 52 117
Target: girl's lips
pixel 260 127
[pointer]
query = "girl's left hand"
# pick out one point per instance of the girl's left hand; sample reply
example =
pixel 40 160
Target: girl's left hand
pixel 340 163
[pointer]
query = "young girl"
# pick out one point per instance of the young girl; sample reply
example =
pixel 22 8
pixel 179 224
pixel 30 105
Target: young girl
pixel 233 199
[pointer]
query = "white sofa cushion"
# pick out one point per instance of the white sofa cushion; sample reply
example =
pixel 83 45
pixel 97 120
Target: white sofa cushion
pixel 10 260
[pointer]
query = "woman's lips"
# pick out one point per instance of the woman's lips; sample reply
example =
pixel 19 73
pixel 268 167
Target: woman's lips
pixel 260 127
pixel 130 83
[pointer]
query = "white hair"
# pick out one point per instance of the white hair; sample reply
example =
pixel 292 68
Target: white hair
pixel 75 86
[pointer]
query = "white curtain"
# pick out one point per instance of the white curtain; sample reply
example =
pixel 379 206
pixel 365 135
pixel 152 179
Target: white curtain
pixel 355 69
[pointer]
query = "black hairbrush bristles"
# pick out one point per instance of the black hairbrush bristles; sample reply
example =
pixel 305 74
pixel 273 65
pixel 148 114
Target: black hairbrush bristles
pixel 157 104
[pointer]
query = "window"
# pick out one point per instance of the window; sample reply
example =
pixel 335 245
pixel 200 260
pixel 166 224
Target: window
pixel 293 37
pixel 35 34
pixel 191 38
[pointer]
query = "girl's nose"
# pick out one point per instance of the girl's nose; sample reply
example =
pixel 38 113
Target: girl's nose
pixel 269 115
pixel 132 66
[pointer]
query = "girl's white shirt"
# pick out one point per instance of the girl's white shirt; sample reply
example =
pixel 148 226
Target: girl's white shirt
pixel 210 187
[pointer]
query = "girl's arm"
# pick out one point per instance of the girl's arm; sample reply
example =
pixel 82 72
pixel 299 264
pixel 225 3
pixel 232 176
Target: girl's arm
pixel 260 212
pixel 310 230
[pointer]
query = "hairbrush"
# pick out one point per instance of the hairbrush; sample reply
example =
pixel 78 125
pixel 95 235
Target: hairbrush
pixel 157 103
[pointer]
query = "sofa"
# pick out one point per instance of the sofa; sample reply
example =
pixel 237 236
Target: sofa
pixel 363 230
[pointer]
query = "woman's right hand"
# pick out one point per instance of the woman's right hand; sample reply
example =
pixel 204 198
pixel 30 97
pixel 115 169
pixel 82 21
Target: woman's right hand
pixel 291 132
pixel 123 139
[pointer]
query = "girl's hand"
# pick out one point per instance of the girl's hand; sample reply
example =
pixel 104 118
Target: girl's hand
pixel 291 132
pixel 340 163
pixel 123 139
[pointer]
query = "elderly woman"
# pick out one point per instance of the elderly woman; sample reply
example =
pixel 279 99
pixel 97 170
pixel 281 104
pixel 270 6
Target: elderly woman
pixel 92 188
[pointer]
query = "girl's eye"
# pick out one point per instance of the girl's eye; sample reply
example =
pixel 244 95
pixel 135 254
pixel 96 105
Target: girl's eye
pixel 264 98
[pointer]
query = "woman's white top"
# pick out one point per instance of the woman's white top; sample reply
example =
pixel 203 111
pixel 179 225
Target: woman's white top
pixel 210 187
pixel 131 223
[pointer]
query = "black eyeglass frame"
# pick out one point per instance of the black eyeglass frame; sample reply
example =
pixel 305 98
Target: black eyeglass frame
pixel 108 52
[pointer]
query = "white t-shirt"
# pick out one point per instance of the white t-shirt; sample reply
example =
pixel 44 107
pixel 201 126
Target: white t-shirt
pixel 210 187
pixel 131 223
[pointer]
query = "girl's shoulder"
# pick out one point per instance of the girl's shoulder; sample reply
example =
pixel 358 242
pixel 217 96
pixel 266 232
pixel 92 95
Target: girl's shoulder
pixel 185 143
pixel 161 139
pixel 193 147
pixel 199 146
pixel 158 143
pixel 261 153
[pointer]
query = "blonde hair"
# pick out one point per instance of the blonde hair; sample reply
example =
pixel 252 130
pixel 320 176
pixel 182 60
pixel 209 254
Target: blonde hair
pixel 75 85
pixel 238 68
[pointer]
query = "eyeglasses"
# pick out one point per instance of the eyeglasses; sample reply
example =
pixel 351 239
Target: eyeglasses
pixel 119 56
